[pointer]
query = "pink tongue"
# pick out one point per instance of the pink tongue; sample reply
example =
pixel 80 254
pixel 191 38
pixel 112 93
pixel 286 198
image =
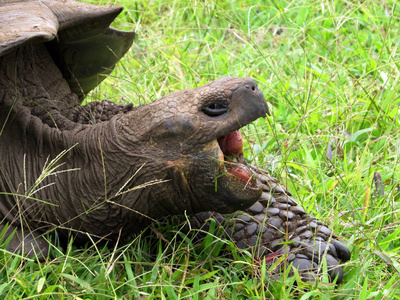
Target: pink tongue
pixel 231 144
pixel 238 171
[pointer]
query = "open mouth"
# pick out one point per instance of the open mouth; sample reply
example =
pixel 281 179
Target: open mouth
pixel 232 161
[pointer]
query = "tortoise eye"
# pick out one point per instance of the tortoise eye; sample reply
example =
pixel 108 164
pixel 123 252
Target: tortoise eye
pixel 215 109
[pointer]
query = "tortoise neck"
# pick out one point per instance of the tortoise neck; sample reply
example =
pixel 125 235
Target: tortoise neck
pixel 35 101
pixel 35 135
pixel 35 94
pixel 33 86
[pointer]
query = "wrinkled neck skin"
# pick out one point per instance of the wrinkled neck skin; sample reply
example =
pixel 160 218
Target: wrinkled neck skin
pixel 99 185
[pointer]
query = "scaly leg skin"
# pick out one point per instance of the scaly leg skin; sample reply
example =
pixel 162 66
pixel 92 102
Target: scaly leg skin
pixel 31 244
pixel 276 226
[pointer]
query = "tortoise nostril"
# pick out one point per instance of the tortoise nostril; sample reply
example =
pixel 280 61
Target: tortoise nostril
pixel 252 87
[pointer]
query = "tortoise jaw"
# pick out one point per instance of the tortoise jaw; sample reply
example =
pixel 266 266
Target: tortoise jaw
pixel 233 164
pixel 236 169
pixel 235 182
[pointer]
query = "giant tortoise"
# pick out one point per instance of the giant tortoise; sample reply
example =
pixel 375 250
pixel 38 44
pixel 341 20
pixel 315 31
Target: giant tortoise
pixel 104 169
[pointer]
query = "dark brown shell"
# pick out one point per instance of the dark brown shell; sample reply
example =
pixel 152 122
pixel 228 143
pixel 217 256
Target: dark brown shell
pixel 77 35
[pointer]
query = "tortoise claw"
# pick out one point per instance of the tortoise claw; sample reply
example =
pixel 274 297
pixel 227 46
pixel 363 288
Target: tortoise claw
pixel 342 251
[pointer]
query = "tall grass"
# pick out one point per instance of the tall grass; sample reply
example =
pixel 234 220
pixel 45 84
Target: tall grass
pixel 330 72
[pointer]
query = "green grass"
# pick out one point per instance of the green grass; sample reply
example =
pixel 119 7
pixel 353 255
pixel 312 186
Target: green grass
pixel 330 72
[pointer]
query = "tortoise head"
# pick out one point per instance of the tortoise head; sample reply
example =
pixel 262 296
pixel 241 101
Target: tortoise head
pixel 191 138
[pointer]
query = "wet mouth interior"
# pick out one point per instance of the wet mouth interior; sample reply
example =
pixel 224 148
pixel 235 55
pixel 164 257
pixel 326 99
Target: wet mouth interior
pixel 231 148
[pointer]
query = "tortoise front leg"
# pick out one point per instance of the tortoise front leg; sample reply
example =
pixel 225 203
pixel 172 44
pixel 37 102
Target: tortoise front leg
pixel 276 226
